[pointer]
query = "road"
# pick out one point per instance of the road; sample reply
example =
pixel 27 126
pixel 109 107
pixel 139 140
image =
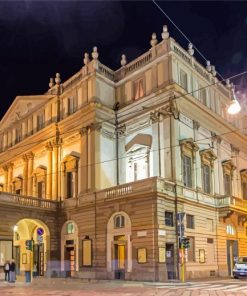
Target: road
pixel 69 287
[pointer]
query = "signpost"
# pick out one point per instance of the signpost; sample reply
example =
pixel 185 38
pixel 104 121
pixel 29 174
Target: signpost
pixel 181 242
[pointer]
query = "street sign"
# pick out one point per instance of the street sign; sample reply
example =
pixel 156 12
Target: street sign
pixel 181 230
pixel 40 231
pixel 180 217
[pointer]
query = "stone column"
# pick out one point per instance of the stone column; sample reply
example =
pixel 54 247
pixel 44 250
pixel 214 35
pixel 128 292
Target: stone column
pixel 83 169
pixel 49 172
pixel 94 129
pixel 29 174
pixel 10 176
pixel 5 185
pixel 55 172
pixel 25 174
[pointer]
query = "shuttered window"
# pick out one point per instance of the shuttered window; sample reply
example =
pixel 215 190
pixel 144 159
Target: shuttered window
pixel 187 176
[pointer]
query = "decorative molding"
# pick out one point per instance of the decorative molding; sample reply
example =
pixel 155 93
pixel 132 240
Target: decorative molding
pixel 154 116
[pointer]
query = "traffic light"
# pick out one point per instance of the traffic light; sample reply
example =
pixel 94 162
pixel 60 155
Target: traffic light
pixel 29 245
pixel 185 243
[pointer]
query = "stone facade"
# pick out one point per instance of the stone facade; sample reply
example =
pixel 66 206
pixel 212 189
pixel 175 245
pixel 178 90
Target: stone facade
pixel 105 161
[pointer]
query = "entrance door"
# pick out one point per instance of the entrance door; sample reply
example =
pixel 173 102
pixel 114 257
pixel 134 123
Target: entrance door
pixel 170 261
pixel 38 258
pixel 69 264
pixel 119 256
pixel 232 252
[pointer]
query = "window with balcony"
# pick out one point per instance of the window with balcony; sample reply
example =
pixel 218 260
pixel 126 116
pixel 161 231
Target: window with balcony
pixel 183 79
pixel 169 219
pixel 228 169
pixel 207 160
pixel 206 178
pixel 41 189
pixel 40 120
pixel 39 181
pixel 70 176
pixel 190 221
pixel 188 153
pixel 138 87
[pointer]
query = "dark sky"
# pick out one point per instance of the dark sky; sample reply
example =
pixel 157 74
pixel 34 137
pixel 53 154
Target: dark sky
pixel 40 38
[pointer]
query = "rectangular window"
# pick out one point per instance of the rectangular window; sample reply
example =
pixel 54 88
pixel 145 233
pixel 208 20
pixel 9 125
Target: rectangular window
pixel 210 225
pixel 187 169
pixel 184 80
pixel 87 252
pixel 206 178
pixel 168 218
pixel 227 184
pixel 41 189
pixel 72 105
pixel 70 184
pixel 191 249
pixel 135 171
pixel 18 135
pixel 190 223
pixel 244 190
pixel 40 121
pixel 203 95
pixel 138 89
pixel 18 191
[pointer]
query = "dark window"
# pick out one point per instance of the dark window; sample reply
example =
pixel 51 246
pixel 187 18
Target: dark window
pixel 18 191
pixel 168 218
pixel 210 240
pixel 227 184
pixel 206 178
pixel 187 164
pixel 41 189
pixel 190 223
pixel 70 185
pixel 244 189
pixel 119 221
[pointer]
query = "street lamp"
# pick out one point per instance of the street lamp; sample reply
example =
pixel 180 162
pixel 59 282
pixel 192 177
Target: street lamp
pixel 15 228
pixel 234 107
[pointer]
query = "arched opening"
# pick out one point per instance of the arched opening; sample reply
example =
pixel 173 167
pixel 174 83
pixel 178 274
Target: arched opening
pixel 119 248
pixel 31 242
pixel 69 248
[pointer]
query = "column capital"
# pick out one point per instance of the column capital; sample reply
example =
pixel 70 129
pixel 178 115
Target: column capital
pixel 83 131
pixel 30 155
pixel 49 146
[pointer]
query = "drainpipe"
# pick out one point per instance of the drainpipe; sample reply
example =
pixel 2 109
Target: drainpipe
pixel 116 108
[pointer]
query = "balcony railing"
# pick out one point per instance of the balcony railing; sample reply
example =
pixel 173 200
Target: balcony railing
pixel 230 201
pixel 27 201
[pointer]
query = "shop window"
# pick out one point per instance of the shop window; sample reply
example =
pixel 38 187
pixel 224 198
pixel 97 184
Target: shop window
pixel 70 228
pixel 138 88
pixel 184 79
pixel 169 218
pixel 190 221
pixel 119 221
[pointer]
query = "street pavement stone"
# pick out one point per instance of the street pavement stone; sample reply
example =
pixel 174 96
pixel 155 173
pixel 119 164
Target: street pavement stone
pixel 65 287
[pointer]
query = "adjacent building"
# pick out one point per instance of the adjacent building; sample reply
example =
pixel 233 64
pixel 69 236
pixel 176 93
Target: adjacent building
pixel 95 171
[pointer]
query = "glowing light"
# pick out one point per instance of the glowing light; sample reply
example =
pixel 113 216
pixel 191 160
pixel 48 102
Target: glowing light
pixel 15 228
pixel 234 107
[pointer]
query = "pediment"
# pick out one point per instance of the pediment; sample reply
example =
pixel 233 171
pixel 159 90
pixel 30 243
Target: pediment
pixel 21 107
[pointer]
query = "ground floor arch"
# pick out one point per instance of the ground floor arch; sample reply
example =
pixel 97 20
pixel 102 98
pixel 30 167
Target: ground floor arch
pixel 31 246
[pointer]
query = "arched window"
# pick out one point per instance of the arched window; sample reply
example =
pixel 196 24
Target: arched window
pixel 119 221
pixel 70 228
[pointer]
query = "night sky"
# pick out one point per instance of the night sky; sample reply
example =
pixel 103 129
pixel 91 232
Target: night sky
pixel 40 38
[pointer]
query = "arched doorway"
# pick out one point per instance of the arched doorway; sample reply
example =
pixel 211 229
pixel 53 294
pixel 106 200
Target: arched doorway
pixel 69 248
pixel 31 246
pixel 119 248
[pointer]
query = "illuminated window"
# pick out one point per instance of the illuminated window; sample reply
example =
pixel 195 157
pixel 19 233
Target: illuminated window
pixel 119 221
pixel 70 228
pixel 230 229
pixel 72 105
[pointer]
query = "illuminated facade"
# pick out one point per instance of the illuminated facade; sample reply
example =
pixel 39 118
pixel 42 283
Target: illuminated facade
pixel 103 162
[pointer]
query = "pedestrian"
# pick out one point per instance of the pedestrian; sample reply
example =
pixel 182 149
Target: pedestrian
pixel 35 269
pixel 12 271
pixel 6 270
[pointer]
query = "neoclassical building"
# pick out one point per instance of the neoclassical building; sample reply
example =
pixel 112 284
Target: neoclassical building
pixel 95 171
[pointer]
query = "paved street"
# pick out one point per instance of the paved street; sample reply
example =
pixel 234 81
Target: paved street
pixel 67 287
